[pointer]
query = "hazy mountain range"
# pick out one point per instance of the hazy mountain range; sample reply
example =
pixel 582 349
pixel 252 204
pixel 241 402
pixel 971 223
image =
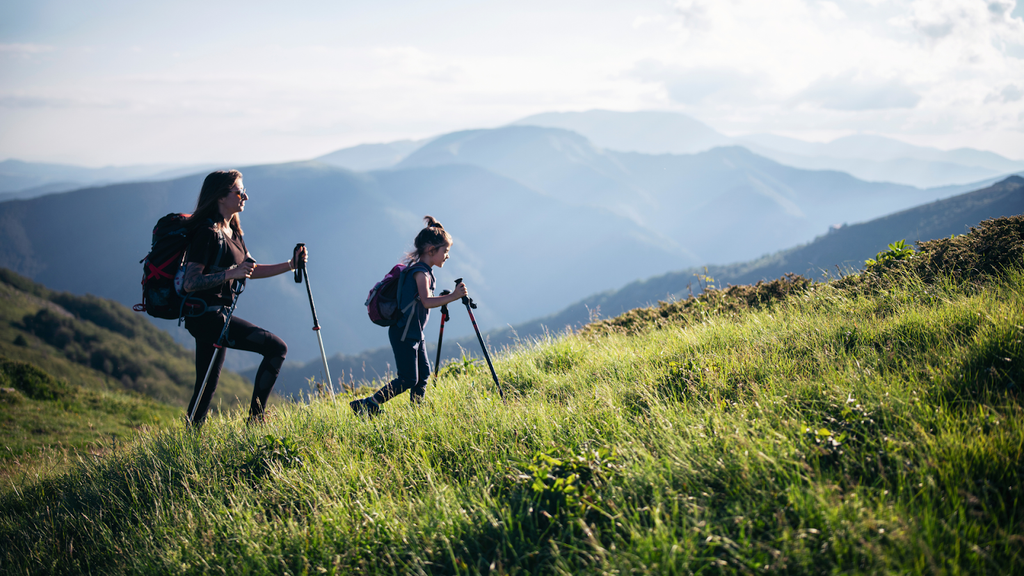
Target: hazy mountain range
pixel 866 157
pixel 872 158
pixel 839 252
pixel 366 157
pixel 698 202
pixel 31 179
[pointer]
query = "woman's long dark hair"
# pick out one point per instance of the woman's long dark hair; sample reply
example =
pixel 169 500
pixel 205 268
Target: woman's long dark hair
pixel 216 186
pixel 433 235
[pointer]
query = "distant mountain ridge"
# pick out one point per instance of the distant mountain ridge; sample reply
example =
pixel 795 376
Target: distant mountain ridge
pixel 875 158
pixel 881 149
pixel 647 132
pixel 867 157
pixel 699 202
pixel 20 179
pixel 365 157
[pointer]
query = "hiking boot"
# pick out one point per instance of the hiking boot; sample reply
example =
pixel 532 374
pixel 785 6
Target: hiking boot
pixel 365 407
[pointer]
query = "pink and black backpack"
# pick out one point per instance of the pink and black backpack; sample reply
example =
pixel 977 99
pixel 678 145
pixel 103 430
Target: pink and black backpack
pixel 382 301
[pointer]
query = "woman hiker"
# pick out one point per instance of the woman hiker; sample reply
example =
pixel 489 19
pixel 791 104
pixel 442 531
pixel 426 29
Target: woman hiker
pixel 217 258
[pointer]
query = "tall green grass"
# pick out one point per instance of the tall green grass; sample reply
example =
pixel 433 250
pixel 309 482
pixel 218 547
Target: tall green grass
pixel 834 431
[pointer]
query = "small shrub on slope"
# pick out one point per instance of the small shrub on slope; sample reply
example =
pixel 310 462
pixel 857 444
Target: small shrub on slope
pixel 713 302
pixel 273 451
pixel 991 247
pixel 31 381
pixel 987 250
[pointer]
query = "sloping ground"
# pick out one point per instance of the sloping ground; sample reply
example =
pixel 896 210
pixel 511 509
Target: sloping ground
pixel 990 248
pixel 108 371
pixel 47 422
pixel 863 426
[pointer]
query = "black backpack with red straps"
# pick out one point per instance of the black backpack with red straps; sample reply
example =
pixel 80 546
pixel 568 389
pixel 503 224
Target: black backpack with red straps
pixel 162 294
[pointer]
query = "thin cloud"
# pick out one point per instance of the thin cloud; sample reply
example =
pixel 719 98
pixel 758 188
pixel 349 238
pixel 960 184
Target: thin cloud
pixel 34 101
pixel 831 10
pixel 817 68
pixel 1008 93
pixel 806 65
pixel 26 49
pixel 850 92
pixel 695 14
pixel 700 85
pixel 941 19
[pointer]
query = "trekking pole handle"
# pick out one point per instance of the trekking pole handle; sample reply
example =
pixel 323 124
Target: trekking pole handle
pixel 299 265
pixel 465 299
pixel 240 283
pixel 444 307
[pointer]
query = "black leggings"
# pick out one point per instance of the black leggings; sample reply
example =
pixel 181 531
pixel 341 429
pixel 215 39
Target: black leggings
pixel 242 335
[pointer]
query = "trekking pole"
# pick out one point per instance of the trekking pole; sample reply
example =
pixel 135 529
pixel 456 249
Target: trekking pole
pixel 440 336
pixel 217 347
pixel 300 272
pixel 469 308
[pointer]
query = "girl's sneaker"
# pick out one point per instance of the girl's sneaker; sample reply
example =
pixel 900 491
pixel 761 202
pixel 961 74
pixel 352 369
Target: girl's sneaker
pixel 365 407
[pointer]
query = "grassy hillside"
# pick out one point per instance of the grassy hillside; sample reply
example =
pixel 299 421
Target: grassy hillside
pixel 106 371
pixel 868 425
pixel 48 422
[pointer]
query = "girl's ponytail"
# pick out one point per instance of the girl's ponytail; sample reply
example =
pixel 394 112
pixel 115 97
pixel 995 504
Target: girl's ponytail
pixel 432 235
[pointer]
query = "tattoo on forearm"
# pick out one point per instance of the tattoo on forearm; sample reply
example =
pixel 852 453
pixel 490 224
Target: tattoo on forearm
pixel 196 281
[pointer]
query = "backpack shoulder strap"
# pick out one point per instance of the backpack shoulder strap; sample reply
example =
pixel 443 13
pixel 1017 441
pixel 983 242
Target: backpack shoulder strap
pixel 215 266
pixel 412 269
pixel 411 307
pixel 401 280
pixel 408 322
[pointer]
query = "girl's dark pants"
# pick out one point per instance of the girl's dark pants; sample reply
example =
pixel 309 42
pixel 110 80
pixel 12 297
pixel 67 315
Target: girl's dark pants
pixel 242 335
pixel 412 365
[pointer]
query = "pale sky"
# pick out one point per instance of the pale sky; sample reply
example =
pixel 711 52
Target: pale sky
pixel 127 82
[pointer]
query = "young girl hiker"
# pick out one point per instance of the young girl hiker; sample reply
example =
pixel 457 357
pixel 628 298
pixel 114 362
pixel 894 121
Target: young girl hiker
pixel 416 298
pixel 217 258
